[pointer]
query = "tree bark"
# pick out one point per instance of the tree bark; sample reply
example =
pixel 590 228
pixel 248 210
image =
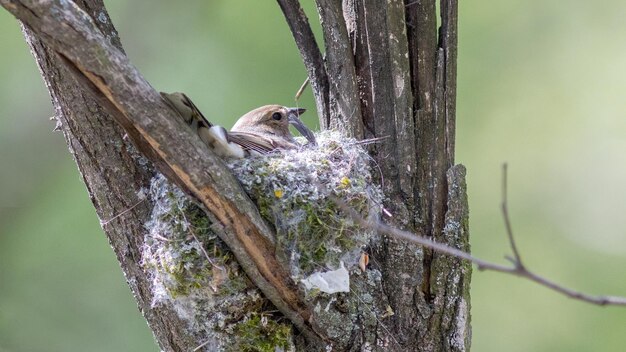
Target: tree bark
pixel 405 72
pixel 387 73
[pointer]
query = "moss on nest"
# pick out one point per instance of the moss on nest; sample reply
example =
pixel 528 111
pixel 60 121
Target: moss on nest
pixel 259 334
pixel 195 274
pixel 183 251
pixel 295 191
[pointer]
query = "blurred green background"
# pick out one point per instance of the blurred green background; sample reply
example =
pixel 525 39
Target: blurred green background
pixel 541 85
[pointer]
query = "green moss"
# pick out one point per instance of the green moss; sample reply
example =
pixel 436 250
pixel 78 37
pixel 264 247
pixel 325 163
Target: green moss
pixel 258 334
pixel 185 253
pixel 296 191
pixel 194 273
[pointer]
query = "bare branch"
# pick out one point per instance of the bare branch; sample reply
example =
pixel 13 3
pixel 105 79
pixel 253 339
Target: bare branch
pixel 311 55
pixel 345 107
pixel 507 222
pixel 448 38
pixel 517 269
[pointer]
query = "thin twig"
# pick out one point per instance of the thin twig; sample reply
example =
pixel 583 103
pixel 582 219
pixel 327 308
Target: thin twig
pixel 517 260
pixel 301 89
pixel 369 140
pixel 193 234
pixel 106 222
pixel 202 345
pixel 517 269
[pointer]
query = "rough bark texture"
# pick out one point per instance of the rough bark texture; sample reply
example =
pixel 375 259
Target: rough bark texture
pixel 113 171
pixel 406 88
pixel 388 73
pixel 311 56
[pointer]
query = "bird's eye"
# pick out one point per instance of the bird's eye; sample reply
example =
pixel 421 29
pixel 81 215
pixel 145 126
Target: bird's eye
pixel 277 116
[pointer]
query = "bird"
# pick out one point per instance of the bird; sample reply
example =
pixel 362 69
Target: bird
pixel 260 131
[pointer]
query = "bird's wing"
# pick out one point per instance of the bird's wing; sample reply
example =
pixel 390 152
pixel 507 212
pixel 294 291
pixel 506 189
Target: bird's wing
pixel 255 142
pixel 187 110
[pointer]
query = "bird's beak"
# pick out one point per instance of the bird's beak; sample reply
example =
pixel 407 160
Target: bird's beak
pixel 294 119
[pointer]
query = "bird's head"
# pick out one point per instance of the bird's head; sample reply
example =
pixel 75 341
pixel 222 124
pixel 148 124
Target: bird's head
pixel 273 119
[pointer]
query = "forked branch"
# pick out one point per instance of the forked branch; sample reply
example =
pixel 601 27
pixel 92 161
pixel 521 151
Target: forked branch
pixel 517 268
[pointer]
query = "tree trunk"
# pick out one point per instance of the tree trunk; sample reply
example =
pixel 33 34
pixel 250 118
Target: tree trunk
pixel 387 73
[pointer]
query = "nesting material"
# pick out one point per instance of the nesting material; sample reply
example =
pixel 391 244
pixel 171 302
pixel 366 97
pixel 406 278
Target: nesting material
pixel 296 190
pixel 332 281
pixel 195 274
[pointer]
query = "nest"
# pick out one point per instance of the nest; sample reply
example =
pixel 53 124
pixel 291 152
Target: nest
pixel 298 192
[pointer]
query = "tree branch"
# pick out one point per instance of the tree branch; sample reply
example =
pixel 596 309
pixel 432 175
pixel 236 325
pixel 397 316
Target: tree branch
pixel 345 108
pixel 71 32
pixel 311 55
pixel 517 259
pixel 517 269
pixel 448 38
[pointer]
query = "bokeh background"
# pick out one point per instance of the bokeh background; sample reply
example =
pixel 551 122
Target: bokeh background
pixel 541 85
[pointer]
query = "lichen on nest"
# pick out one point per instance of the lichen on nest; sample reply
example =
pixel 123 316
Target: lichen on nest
pixel 178 244
pixel 296 191
pixel 194 273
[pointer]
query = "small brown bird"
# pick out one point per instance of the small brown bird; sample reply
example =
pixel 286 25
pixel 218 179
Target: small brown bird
pixel 260 131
